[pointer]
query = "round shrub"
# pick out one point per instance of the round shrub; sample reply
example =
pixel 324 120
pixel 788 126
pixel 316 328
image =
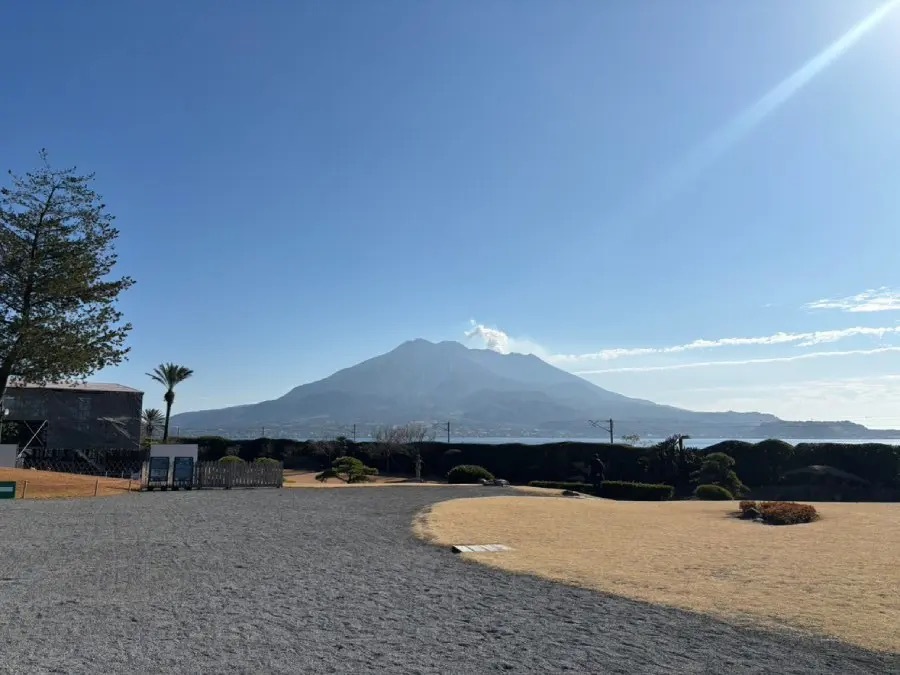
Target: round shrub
pixel 713 492
pixel 230 459
pixel 265 460
pixel 468 473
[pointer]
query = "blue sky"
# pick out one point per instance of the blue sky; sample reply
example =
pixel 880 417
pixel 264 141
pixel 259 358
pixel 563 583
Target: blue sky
pixel 303 185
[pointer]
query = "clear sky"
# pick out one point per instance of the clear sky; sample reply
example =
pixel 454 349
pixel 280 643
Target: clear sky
pixel 302 185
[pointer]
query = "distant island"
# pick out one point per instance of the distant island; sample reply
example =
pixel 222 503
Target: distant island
pixel 482 393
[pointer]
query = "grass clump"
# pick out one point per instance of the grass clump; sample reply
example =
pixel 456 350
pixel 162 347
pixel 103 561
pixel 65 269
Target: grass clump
pixel 468 473
pixel 781 513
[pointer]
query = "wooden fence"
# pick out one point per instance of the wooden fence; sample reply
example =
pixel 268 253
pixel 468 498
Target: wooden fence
pixel 238 474
pixel 222 475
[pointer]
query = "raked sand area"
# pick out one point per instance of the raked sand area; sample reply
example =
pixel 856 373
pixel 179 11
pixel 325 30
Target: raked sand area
pixel 330 581
pixel 838 576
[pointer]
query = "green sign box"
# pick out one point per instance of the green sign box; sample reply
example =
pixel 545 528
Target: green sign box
pixel 8 489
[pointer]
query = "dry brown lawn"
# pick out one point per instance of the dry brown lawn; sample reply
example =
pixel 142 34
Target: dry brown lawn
pixel 50 484
pixel 307 479
pixel 839 576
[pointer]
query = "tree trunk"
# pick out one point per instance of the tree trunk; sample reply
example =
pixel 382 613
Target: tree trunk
pixel 166 427
pixel 5 372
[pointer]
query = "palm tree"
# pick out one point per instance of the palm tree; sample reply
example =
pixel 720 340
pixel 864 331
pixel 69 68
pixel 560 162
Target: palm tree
pixel 170 376
pixel 151 418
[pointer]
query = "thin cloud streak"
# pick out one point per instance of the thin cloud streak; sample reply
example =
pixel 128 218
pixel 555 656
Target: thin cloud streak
pixel 873 300
pixel 744 362
pixel 807 339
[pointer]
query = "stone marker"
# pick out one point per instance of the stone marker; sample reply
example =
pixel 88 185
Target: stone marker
pixel 480 548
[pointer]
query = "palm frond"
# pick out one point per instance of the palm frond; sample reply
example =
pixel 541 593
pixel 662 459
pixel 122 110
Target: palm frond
pixel 170 375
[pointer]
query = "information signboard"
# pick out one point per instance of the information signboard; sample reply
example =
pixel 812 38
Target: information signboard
pixel 159 472
pixel 7 489
pixel 183 472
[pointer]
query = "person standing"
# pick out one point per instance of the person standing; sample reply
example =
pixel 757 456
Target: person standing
pixel 598 473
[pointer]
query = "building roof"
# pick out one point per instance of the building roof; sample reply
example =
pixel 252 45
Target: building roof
pixel 79 386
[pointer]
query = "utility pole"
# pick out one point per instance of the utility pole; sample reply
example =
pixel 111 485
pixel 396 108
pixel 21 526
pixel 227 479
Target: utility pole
pixel 354 433
pixel 448 432
pixel 610 428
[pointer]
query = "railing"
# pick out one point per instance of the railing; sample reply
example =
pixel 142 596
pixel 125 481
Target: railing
pixel 235 474
pixel 225 475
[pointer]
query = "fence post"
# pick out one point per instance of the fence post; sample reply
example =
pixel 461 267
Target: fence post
pixel 96 487
pixel 24 489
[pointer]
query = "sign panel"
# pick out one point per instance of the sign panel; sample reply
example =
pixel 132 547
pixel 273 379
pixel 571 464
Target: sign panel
pixel 159 470
pixel 183 471
pixel 175 450
pixel 8 489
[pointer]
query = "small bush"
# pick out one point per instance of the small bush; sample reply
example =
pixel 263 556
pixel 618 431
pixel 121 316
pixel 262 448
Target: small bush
pixel 230 459
pixel 468 473
pixel 265 460
pixel 782 513
pixel 587 488
pixel 617 489
pixel 713 492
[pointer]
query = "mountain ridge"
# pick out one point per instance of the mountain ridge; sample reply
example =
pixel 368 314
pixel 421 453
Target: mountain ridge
pixel 481 392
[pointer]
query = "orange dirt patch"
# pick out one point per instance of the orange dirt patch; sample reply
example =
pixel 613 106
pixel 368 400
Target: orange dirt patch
pixel 51 485
pixel 307 479
pixel 837 576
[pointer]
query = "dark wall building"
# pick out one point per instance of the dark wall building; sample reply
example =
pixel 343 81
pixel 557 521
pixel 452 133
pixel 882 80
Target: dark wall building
pixel 89 416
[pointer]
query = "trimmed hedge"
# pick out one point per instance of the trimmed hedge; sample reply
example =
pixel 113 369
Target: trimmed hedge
pixel 759 465
pixel 587 488
pixel 713 493
pixel 468 473
pixel 230 459
pixel 617 489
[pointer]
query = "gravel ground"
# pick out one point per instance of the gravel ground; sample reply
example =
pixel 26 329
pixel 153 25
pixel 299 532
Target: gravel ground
pixel 327 581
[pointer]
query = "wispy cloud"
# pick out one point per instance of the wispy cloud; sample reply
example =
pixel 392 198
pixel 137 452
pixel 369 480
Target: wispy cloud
pixel 742 362
pixel 807 339
pixel 874 300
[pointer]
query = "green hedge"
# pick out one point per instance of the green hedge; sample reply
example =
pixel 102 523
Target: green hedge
pixel 617 489
pixel 758 465
pixel 713 492
pixel 557 485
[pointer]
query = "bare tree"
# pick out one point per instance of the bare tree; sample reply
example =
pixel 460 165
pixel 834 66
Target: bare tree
pixel 403 439
pixel 328 449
